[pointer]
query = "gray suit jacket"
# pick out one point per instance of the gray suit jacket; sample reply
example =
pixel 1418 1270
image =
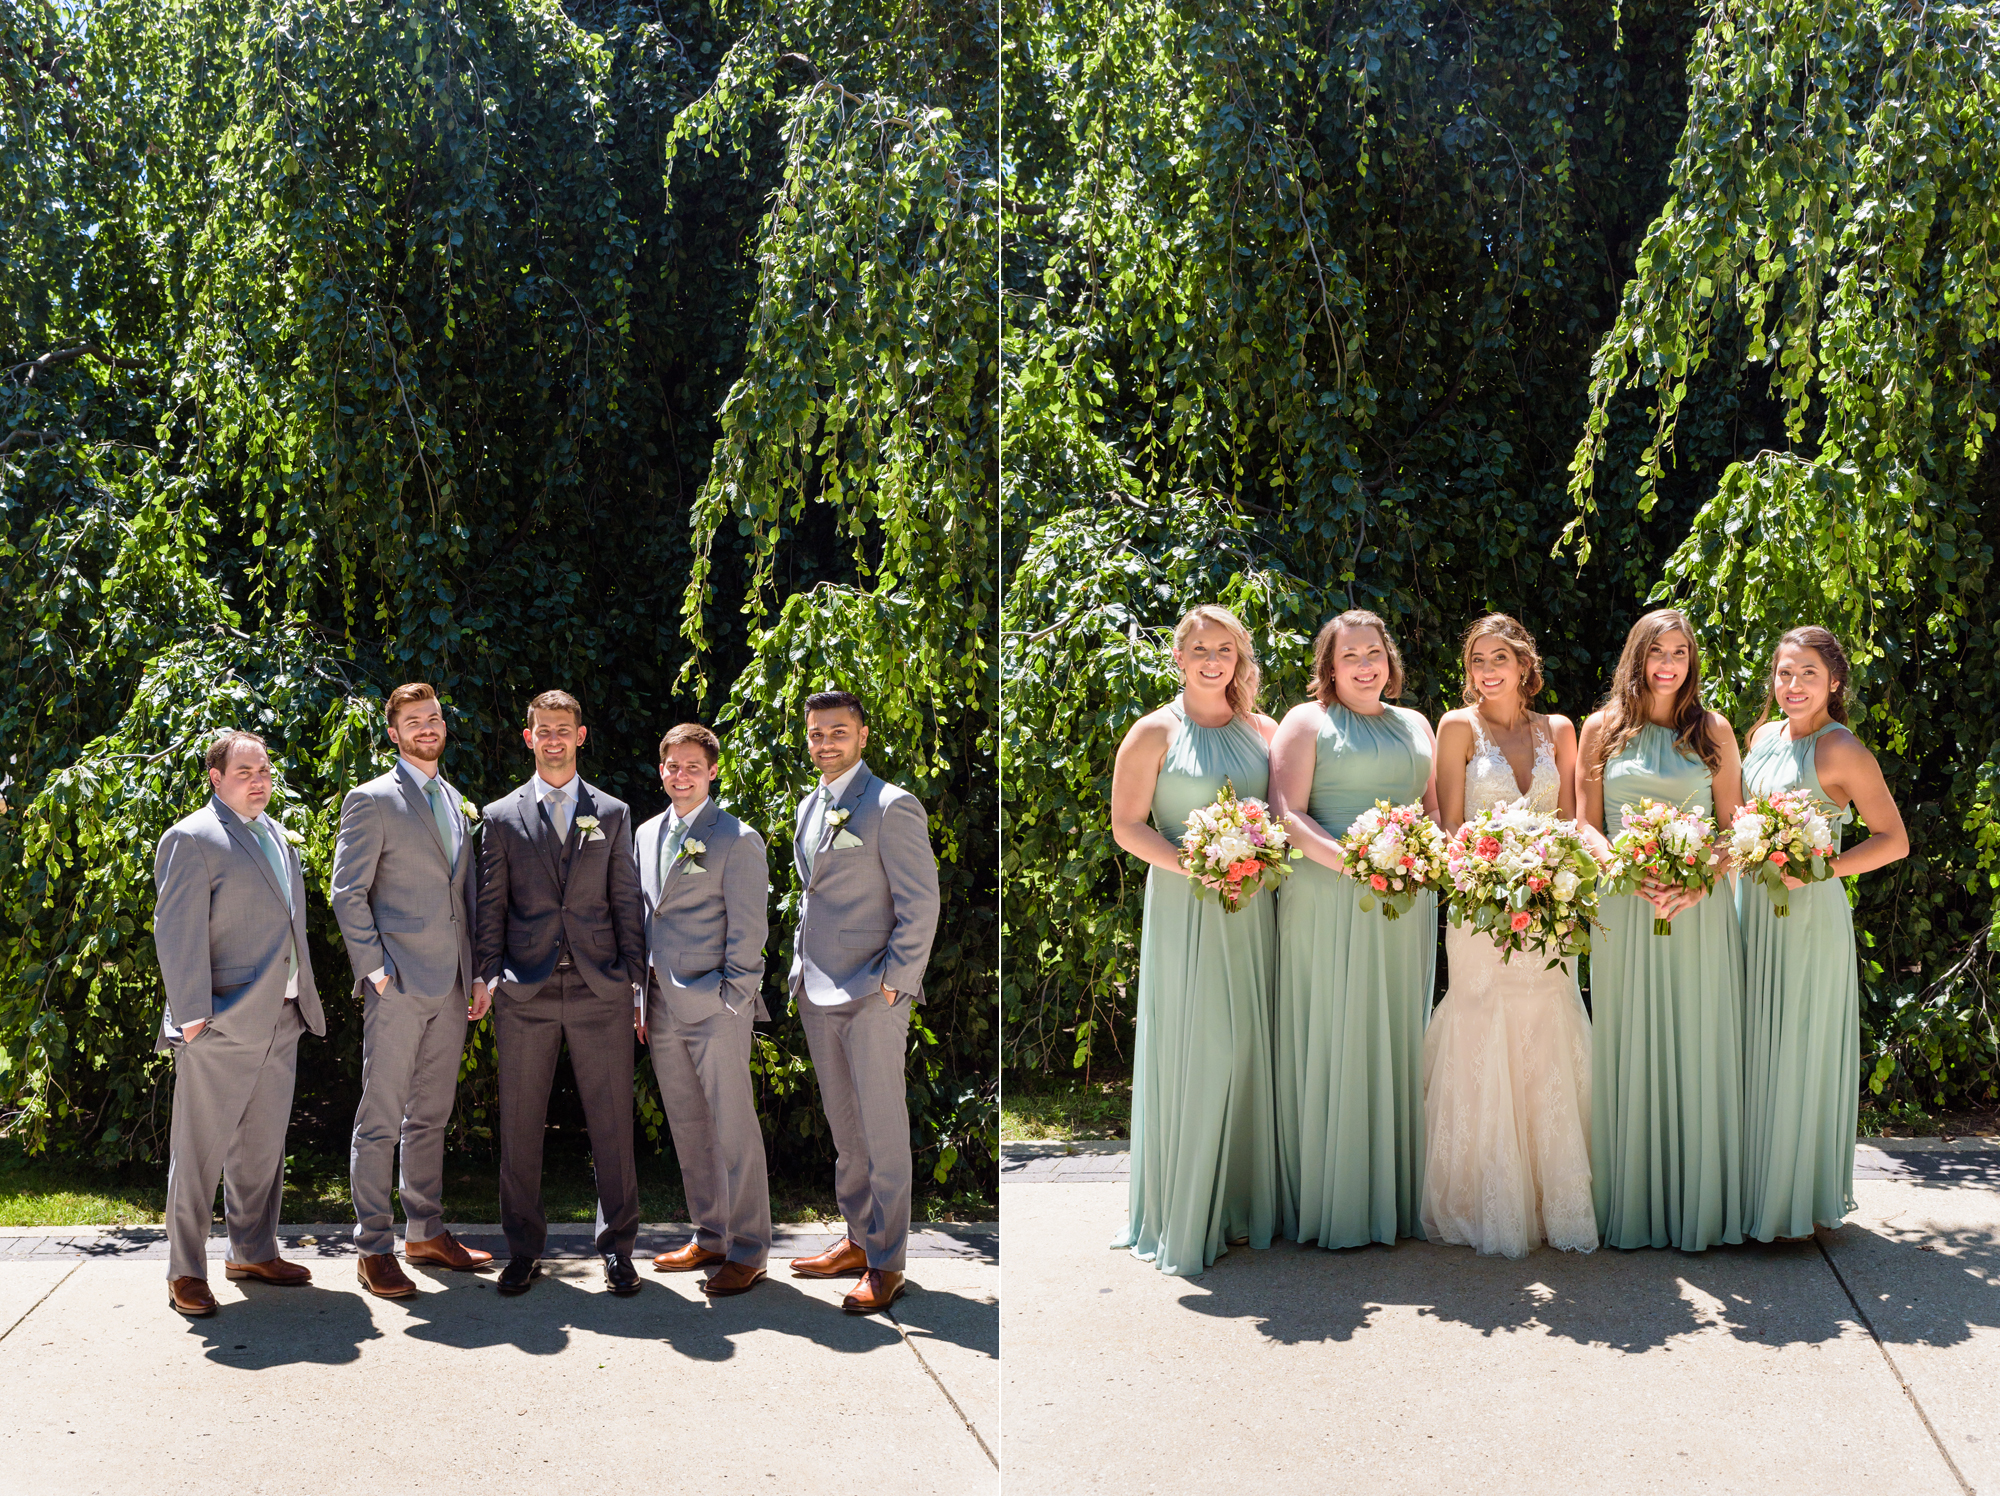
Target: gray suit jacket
pixel 535 895
pixel 221 928
pixel 401 903
pixel 705 929
pixel 870 911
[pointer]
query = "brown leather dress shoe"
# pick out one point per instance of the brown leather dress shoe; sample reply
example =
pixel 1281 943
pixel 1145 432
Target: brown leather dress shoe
pixel 877 1290
pixel 445 1250
pixel 686 1259
pixel 834 1262
pixel 383 1276
pixel 277 1270
pixel 191 1297
pixel 732 1278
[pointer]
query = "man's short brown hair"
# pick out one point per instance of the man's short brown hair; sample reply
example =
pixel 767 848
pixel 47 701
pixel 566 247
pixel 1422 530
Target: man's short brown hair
pixel 693 732
pixel 225 743
pixel 408 694
pixel 556 701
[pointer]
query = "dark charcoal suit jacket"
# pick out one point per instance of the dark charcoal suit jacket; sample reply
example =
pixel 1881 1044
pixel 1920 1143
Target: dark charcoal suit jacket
pixel 537 896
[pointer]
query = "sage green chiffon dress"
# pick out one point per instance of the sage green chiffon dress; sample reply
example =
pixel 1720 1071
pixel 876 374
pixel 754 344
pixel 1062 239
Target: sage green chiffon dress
pixel 1802 1026
pixel 1666 1131
pixel 1204 1160
pixel 1354 993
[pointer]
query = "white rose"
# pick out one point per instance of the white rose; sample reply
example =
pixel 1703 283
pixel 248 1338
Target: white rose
pixel 1566 885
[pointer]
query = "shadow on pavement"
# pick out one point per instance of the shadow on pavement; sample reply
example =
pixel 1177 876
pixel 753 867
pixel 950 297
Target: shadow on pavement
pixel 309 1325
pixel 964 1320
pixel 1626 1301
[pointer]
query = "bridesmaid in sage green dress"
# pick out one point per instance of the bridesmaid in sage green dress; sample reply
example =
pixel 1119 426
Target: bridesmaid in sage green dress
pixel 1666 1137
pixel 1802 993
pixel 1354 988
pixel 1204 1159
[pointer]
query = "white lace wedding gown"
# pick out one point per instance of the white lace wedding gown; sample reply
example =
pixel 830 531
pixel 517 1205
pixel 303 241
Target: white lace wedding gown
pixel 1507 1073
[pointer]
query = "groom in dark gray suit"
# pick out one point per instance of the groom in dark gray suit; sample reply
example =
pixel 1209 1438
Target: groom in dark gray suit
pixel 230 929
pixel 870 909
pixel 561 952
pixel 403 890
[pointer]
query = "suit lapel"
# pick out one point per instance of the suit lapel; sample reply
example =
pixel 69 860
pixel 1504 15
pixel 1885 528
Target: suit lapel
pixel 246 842
pixel 585 806
pixel 847 802
pixel 695 833
pixel 536 825
pixel 421 808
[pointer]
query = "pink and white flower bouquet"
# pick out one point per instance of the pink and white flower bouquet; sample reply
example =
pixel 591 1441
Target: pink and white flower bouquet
pixel 1778 834
pixel 1670 844
pixel 1395 852
pixel 1524 878
pixel 1235 847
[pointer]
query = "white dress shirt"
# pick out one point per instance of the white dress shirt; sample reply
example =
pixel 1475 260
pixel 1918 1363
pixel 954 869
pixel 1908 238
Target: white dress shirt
pixel 423 782
pixel 559 801
pixel 833 792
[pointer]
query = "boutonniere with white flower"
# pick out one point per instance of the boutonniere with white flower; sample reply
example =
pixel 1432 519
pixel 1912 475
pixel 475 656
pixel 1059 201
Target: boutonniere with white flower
pixel 842 837
pixel 589 827
pixel 837 819
pixel 470 811
pixel 691 849
pixel 290 835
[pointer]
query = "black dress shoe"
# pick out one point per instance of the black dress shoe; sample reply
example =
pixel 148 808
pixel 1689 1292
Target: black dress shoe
pixel 519 1274
pixel 619 1273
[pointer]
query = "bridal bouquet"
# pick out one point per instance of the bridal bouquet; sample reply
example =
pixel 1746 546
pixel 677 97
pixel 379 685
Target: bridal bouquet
pixel 1398 852
pixel 1235 847
pixel 1524 878
pixel 1669 844
pixel 1782 833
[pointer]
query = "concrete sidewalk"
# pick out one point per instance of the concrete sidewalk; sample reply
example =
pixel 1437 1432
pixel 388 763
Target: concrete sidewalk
pixel 1868 1360
pixel 326 1387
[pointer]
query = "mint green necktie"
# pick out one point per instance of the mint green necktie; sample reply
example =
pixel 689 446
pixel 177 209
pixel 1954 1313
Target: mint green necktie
pixel 816 825
pixel 277 861
pixel 435 794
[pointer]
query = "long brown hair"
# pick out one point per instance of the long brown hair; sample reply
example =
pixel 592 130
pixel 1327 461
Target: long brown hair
pixel 1822 643
pixel 1624 707
pixel 1510 633
pixel 1321 685
pixel 1241 692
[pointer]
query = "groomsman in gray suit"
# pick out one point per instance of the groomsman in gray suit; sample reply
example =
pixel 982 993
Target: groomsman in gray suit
pixel 403 891
pixel 561 948
pixel 705 881
pixel 230 930
pixel 863 851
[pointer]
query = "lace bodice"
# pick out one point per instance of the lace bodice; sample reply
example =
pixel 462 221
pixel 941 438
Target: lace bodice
pixel 1489 779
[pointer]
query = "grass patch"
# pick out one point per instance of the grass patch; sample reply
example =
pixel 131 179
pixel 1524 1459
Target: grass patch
pixel 1909 1121
pixel 1056 1108
pixel 55 1192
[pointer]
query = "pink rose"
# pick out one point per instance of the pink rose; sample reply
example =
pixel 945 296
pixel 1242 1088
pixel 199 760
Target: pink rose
pixel 1522 920
pixel 1378 882
pixel 1779 858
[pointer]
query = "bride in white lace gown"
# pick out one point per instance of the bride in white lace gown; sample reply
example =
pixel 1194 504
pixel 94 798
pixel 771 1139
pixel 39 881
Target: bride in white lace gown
pixel 1507 1054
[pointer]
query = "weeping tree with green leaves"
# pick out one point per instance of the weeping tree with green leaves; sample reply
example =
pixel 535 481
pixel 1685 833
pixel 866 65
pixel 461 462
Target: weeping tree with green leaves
pixel 1834 224
pixel 629 348
pixel 1299 300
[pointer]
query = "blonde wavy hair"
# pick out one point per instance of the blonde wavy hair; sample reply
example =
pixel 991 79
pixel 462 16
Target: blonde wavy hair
pixel 1241 692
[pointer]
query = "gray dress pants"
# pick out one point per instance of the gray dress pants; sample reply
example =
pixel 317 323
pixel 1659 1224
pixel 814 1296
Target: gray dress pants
pixel 704 1074
pixel 410 1050
pixel 528 1034
pixel 858 1052
pixel 232 1104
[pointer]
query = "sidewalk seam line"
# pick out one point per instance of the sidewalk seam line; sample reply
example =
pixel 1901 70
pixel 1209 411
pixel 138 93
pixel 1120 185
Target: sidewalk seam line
pixel 890 1312
pixel 42 1300
pixel 1894 1370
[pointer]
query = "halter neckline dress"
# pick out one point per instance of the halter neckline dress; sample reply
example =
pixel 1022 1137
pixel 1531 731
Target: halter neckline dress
pixel 1204 1159
pixel 1802 1024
